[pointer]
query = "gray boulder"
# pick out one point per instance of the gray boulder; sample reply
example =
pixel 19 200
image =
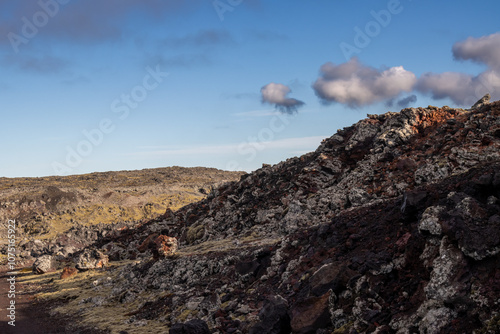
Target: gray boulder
pixel 481 102
pixel 91 259
pixel 44 264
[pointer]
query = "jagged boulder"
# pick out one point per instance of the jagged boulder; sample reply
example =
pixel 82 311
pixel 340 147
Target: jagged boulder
pixel 91 259
pixel 160 245
pixel 166 246
pixel 44 264
pixel 482 101
pixel 474 226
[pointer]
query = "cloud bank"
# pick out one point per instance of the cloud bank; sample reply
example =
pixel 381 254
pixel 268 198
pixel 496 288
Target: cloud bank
pixel 485 50
pixel 465 89
pixel 85 21
pixel 276 94
pixel 356 85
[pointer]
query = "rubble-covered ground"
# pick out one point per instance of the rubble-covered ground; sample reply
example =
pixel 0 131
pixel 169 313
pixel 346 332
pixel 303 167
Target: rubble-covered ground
pixel 391 226
pixel 56 214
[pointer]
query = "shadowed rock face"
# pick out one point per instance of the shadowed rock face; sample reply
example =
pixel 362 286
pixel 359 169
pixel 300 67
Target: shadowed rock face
pixel 390 226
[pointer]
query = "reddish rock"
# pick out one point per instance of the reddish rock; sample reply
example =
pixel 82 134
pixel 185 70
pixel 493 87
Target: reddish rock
pixel 160 245
pixel 68 272
pixel 166 246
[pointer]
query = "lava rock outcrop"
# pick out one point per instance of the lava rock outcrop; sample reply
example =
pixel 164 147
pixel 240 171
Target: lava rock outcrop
pixel 391 226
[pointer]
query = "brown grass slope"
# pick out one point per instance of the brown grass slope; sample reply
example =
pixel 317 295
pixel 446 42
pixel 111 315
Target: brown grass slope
pixel 47 206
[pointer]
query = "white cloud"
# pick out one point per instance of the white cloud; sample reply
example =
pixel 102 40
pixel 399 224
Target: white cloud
pixel 276 94
pixel 465 89
pixel 355 84
pixel 485 49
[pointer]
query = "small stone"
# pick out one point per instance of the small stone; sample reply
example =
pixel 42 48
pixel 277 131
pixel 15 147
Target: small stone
pixel 436 319
pixel 492 200
pixel 244 309
pixel 68 272
pixel 338 138
pixel 430 221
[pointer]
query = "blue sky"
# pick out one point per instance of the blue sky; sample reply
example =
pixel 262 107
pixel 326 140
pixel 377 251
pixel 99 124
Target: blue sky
pixel 117 85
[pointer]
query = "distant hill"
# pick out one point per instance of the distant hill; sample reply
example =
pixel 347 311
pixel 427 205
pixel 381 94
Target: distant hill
pixel 46 206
